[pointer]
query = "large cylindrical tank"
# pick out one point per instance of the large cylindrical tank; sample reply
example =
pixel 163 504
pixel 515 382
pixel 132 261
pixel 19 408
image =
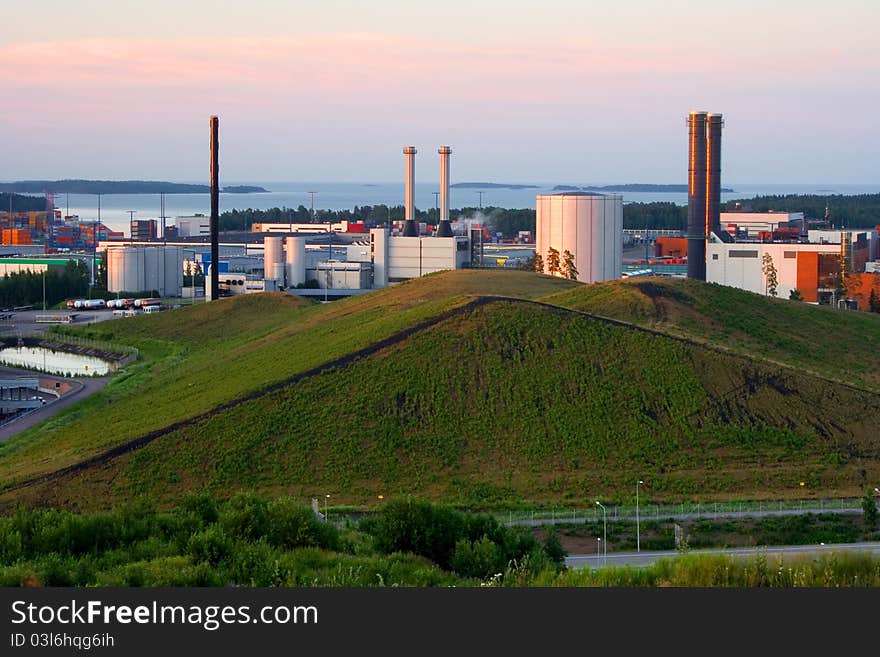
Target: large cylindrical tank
pixel 173 265
pixel 273 259
pixel 295 261
pixel 589 226
pixel 151 269
pixel 125 269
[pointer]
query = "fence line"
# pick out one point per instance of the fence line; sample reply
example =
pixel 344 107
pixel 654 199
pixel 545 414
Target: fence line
pixel 647 512
pixel 89 343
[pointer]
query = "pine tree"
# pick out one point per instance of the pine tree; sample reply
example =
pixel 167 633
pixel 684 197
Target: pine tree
pixel 568 268
pixel 553 265
pixel 771 280
pixel 539 263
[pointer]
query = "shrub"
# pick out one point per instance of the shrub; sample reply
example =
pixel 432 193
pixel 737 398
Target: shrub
pixel 211 545
pixel 482 558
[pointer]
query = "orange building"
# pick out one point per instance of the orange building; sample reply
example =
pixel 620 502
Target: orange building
pixel 859 287
pixel 677 247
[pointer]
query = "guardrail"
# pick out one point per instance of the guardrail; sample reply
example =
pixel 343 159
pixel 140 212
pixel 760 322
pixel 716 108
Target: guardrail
pixel 666 511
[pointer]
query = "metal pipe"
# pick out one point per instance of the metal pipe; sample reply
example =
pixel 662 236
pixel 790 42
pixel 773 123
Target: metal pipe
pixel 215 210
pixel 410 229
pixel 444 229
pixel 696 227
pixel 714 123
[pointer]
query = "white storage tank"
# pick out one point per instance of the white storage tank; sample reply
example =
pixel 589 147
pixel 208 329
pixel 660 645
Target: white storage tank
pixel 173 266
pixel 273 260
pixel 295 260
pixel 152 270
pixel 125 269
pixel 590 226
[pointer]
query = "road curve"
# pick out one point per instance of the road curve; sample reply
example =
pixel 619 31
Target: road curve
pixel 639 559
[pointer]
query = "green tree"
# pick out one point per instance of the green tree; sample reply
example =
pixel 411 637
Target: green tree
pixel 568 267
pixel 553 264
pixel 539 263
pixel 771 280
pixel 795 295
pixel 869 509
pixel 553 547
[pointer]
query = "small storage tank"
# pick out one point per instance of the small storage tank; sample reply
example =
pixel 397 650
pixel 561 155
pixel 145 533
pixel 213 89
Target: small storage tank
pixel 273 260
pixel 590 226
pixel 295 261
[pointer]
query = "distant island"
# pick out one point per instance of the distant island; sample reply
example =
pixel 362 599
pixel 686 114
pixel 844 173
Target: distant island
pixel 488 185
pixel 566 188
pixel 118 187
pixel 642 187
pixel 242 189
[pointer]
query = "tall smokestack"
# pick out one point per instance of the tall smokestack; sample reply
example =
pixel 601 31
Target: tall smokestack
pixel 215 211
pixel 714 123
pixel 410 228
pixel 696 228
pixel 444 229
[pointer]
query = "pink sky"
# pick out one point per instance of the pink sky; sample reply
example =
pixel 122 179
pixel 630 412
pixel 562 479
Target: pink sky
pixel 339 107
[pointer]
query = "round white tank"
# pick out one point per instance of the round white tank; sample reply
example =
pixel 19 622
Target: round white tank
pixel 273 259
pixel 125 269
pixel 173 266
pixel 151 269
pixel 295 261
pixel 590 226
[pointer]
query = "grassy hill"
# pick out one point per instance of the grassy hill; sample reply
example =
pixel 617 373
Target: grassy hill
pixel 198 358
pixel 828 342
pixel 485 403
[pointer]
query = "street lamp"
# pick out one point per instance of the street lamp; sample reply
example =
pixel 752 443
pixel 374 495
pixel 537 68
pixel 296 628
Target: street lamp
pixel 638 535
pixel 598 550
pixel 326 497
pixel 604 530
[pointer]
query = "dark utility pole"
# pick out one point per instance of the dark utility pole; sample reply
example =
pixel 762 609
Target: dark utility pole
pixel 215 211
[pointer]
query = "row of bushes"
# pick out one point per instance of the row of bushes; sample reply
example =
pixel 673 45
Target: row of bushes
pixel 250 541
pixel 471 545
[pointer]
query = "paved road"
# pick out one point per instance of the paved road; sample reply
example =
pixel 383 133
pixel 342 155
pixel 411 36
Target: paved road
pixel 648 558
pixel 83 388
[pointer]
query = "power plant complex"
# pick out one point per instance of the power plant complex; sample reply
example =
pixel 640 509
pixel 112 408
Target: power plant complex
pixel 578 234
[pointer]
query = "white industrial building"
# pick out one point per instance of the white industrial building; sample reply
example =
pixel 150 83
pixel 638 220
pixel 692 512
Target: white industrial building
pixel 752 223
pixel 397 258
pixel 193 226
pixel 134 269
pixel 590 226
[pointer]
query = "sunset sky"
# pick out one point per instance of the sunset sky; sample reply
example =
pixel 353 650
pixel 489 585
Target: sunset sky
pixel 555 91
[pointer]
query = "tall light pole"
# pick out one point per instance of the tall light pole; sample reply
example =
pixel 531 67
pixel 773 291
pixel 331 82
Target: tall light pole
pixel 326 497
pixel 312 194
pixel 638 536
pixel 598 550
pixel 481 199
pixel 604 531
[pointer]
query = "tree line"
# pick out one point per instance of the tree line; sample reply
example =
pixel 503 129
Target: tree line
pixel 21 203
pixel 861 210
pixel 26 288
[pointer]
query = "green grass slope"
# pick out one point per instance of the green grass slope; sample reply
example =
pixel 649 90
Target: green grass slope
pixel 511 402
pixel 840 345
pixel 197 358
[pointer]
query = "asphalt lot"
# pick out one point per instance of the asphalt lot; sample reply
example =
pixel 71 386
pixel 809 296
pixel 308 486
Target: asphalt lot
pixel 25 321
